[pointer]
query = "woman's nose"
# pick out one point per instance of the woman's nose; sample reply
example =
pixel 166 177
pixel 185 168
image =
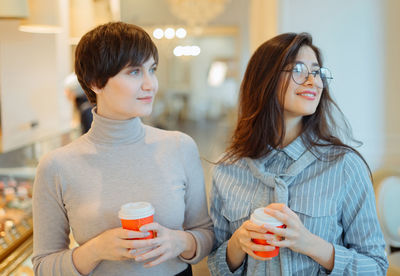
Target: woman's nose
pixel 310 80
pixel 148 83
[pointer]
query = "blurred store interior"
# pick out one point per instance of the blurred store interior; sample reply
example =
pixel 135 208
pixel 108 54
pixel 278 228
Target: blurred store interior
pixel 204 47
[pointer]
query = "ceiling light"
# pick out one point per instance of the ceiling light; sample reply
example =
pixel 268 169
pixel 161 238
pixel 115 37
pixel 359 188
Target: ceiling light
pixel 178 51
pixel 158 33
pixel 187 51
pixel 169 33
pixel 181 33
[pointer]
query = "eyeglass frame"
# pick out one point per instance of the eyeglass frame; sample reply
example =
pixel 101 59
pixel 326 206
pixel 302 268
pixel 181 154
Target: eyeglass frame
pixel 314 73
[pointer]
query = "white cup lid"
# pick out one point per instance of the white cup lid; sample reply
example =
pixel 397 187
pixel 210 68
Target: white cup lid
pixel 136 210
pixel 259 217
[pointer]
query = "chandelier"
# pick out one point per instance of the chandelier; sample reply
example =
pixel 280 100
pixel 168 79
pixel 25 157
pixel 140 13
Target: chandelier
pixel 197 13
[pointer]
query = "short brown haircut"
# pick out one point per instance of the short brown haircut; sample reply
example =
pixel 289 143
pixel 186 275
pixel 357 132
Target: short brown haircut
pixel 104 51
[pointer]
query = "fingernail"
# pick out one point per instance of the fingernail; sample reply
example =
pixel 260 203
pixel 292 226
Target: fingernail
pixel 132 251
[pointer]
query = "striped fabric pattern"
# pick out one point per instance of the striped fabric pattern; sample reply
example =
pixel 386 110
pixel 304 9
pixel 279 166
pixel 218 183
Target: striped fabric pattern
pixel 334 200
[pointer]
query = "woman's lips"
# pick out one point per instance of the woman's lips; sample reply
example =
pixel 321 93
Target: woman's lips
pixel 148 99
pixel 309 95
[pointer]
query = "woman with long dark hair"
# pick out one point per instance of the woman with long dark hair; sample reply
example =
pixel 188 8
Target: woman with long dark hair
pixel 288 156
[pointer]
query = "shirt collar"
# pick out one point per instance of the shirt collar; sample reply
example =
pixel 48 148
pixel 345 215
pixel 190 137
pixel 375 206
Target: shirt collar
pixel 295 149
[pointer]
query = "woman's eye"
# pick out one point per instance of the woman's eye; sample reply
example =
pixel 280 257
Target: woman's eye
pixel 135 72
pixel 297 69
pixel 154 69
pixel 316 73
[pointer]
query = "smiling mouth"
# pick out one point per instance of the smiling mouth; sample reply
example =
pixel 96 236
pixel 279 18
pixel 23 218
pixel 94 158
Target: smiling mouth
pixel 307 94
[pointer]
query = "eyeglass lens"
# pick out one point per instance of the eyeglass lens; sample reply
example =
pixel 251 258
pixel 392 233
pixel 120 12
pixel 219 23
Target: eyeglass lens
pixel 300 73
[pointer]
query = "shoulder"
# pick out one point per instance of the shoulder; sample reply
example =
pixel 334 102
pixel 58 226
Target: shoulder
pixel 352 159
pixel 49 168
pixel 55 158
pixel 172 137
pixel 338 154
pixel 228 172
pixel 235 185
pixel 354 165
pixel 354 169
pixel 348 158
pixel 239 165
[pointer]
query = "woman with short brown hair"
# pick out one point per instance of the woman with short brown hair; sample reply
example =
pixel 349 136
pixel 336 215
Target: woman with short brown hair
pixel 82 185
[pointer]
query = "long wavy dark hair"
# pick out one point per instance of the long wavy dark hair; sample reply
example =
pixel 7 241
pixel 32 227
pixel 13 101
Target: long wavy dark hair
pixel 260 126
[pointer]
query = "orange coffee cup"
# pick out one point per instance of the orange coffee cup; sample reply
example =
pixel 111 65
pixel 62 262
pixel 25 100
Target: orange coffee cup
pixel 134 215
pixel 259 217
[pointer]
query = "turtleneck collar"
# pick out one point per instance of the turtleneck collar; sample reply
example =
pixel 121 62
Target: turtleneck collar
pixel 116 132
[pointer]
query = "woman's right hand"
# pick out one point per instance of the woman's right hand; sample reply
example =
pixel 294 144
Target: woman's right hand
pixel 117 244
pixel 241 244
pixel 247 231
pixel 113 244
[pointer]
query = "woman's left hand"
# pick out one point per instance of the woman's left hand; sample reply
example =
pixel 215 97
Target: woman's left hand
pixel 295 236
pixel 168 244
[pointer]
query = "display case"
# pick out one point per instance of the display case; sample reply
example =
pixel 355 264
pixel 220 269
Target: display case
pixel 16 227
pixel 17 172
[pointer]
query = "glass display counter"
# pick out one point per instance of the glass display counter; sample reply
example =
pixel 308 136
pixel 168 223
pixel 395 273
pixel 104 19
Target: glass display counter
pixel 16 225
pixel 17 172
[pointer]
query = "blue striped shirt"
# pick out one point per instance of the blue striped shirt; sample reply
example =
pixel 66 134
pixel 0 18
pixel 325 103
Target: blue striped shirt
pixel 333 199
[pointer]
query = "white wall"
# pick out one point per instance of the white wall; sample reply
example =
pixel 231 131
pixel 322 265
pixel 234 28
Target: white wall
pixel 206 101
pixel 32 68
pixel 352 39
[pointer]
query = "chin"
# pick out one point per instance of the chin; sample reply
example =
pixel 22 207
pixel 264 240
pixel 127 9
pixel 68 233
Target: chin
pixel 308 111
pixel 144 113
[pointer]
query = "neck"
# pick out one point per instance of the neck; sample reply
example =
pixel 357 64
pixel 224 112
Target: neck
pixel 293 130
pixel 116 132
pixel 104 112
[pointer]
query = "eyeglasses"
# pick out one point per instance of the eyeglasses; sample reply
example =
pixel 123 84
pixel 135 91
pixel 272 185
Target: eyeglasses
pixel 300 74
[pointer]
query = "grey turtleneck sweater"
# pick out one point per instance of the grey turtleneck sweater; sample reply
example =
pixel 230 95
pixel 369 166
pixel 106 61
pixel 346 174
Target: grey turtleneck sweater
pixel 82 185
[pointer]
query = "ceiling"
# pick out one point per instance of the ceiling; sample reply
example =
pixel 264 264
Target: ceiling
pixel 156 12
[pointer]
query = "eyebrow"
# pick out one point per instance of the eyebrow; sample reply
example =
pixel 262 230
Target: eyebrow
pixel 312 64
pixel 154 64
pixel 140 65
